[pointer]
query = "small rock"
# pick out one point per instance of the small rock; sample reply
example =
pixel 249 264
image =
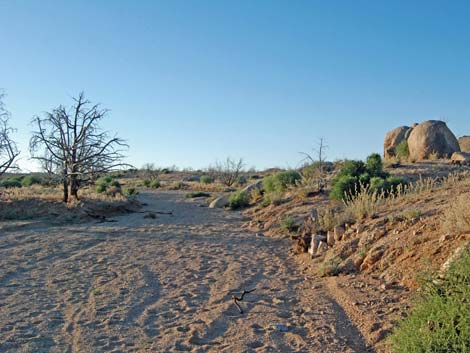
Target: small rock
pixel 330 238
pixel 322 247
pixel 219 202
pixel 444 238
pixel 280 327
pixel 258 185
pixel 348 266
pixel 338 233
pixel 316 239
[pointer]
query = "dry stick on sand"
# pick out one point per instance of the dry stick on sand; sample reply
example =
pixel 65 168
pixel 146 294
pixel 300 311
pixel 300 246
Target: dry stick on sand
pixel 239 299
pixel 157 212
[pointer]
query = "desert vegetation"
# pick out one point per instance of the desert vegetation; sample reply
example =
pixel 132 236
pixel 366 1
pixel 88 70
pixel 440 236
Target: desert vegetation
pixel 352 223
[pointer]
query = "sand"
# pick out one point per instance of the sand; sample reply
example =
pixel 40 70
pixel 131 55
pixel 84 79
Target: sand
pixel 162 285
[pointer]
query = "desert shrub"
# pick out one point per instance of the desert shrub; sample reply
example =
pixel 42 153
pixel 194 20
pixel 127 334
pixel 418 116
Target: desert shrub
pixel 193 195
pixel 109 185
pixel 238 199
pixel 31 180
pixel 273 198
pixel 205 179
pixel 343 186
pixel 100 188
pixel 155 184
pixel 147 182
pixel 179 185
pixel 362 202
pixel 354 175
pixel 456 218
pixel 352 168
pixel 288 223
pixel 329 218
pixel 279 182
pixel 330 267
pixel 394 183
pixel 378 184
pixel 411 214
pixel 440 319
pixel 374 165
pixel 107 179
pixel 10 183
pixel 131 192
pixel 402 151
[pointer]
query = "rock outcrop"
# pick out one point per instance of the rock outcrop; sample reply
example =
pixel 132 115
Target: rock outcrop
pixel 464 143
pixel 432 137
pixel 219 202
pixel 461 158
pixel 393 138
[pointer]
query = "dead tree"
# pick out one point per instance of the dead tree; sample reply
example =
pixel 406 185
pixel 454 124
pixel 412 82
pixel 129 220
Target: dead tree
pixel 314 167
pixel 8 150
pixel 228 171
pixel 150 171
pixel 70 143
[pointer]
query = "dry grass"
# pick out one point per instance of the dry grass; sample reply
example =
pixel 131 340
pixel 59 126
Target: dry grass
pixel 46 202
pixel 44 193
pixel 456 218
pixel 363 203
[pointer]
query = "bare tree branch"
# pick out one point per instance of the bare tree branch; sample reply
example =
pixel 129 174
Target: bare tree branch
pixel 70 143
pixel 8 150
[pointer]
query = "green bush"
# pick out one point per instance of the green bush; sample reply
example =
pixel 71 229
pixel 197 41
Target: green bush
pixel 238 199
pixel 374 165
pixel 155 184
pixel 378 185
pixel 356 175
pixel 31 180
pixel 10 183
pixel 147 182
pixel 440 319
pixel 100 188
pixel 352 168
pixel 402 151
pixel 394 182
pixel 205 179
pixel 343 186
pixel 131 192
pixel 281 181
pixel 288 223
pixel 107 182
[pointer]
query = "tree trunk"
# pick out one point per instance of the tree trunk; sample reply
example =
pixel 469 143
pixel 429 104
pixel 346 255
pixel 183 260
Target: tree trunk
pixel 66 189
pixel 74 186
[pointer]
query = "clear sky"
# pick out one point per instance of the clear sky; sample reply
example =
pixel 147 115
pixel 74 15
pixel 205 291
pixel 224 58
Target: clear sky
pixel 189 82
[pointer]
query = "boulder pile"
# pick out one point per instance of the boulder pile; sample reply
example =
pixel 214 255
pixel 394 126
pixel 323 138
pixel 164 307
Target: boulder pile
pixel 428 139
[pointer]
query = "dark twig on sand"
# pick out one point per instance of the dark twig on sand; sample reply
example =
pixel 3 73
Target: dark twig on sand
pixel 239 299
pixel 157 212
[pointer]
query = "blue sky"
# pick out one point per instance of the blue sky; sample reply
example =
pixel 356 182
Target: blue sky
pixel 189 82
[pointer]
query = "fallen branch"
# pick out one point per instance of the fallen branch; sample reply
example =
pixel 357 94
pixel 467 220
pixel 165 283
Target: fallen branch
pixel 239 299
pixel 157 212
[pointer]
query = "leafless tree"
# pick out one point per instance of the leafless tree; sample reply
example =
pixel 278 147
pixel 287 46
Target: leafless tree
pixel 228 171
pixel 314 167
pixel 8 150
pixel 150 171
pixel 69 142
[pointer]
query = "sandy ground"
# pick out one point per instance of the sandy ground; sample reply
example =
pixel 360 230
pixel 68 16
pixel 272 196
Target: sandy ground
pixel 162 285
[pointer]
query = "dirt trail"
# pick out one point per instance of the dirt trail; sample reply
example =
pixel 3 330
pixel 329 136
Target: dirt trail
pixel 162 285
